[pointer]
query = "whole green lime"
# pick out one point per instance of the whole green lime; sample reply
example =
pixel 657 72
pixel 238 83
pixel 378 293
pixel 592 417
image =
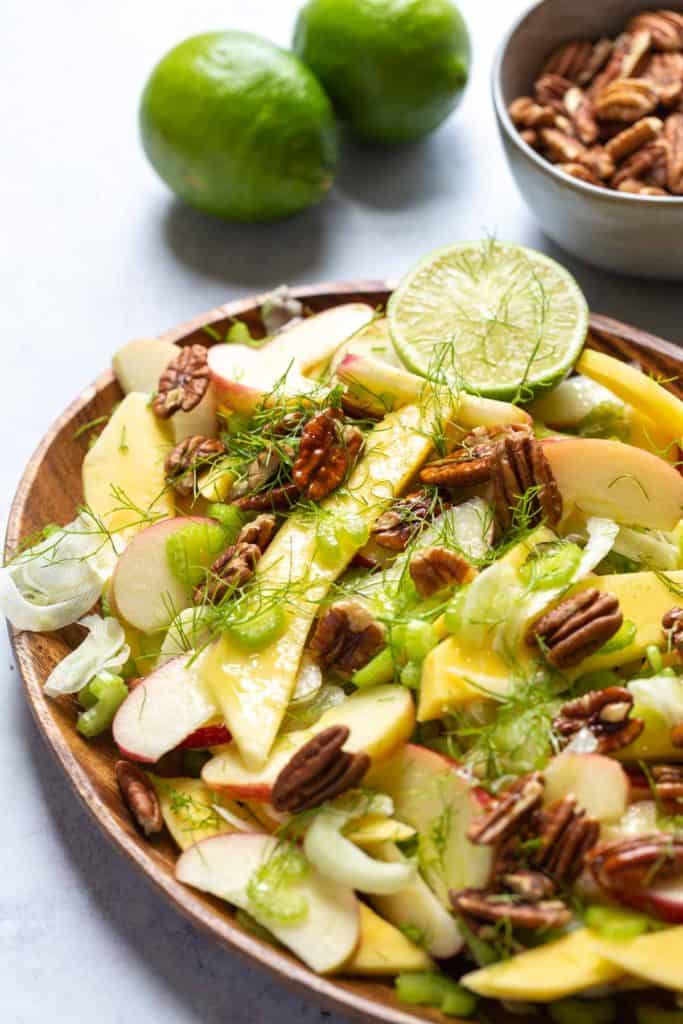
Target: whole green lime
pixel 238 127
pixel 393 68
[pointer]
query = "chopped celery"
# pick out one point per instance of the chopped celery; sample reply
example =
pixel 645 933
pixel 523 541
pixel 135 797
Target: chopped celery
pixel 260 630
pixel 658 1015
pixel 419 637
pixel 327 540
pixel 550 565
pixel 379 670
pixel 355 529
pixel 411 675
pixel 654 658
pixel 616 923
pixel 426 988
pixel 231 518
pixel 624 636
pixel 101 698
pixel 191 550
pixel 453 616
pixel 598 680
pixel 239 334
pixel 583 1011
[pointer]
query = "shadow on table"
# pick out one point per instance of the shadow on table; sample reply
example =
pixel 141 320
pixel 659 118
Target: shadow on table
pixel 255 255
pixel 209 983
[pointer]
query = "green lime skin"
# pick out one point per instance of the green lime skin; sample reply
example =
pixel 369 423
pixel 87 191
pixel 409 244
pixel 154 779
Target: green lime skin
pixel 394 69
pixel 238 128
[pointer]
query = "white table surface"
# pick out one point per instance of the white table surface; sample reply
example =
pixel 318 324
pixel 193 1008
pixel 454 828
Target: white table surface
pixel 95 252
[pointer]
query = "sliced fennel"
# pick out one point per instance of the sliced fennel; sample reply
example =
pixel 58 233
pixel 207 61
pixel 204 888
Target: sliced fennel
pixel 104 649
pixel 56 581
pixel 651 549
pixel 660 693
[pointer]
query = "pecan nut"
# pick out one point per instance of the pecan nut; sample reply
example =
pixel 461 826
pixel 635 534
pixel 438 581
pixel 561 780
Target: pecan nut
pixel 626 868
pixel 626 99
pixel 232 569
pixel 673 133
pixel 665 73
pixel 565 836
pixel 513 807
pixel 525 112
pixel 183 383
pixel 327 451
pixel 259 531
pixel 581 172
pixel 189 456
pixel 321 770
pixel 577 627
pixel 434 569
pixel 280 497
pixel 560 147
pixel 634 137
pixel 550 91
pixel 606 713
pixel 140 797
pixel 664 27
pixel 570 60
pixel 522 478
pixel 582 115
pixel 667 781
pixel 396 527
pixel 346 637
pixel 532 885
pixel 482 905
pixel 260 472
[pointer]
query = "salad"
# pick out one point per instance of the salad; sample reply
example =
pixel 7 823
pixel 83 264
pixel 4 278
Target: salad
pixel 382 613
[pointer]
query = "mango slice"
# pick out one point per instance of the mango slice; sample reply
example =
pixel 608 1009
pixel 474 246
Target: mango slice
pixel 656 957
pixel 384 950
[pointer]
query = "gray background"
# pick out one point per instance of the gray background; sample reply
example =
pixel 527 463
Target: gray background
pixel 96 251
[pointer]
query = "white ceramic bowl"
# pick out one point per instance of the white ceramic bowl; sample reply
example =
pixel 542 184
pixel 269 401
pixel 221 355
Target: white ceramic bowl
pixel 629 234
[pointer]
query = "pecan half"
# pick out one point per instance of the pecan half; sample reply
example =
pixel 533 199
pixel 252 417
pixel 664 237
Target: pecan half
pixel 526 113
pixel 626 99
pixel 566 834
pixel 521 472
pixel 570 60
pixel 396 527
pixel 647 165
pixel 580 109
pixel 560 147
pixel 183 383
pixel 626 867
pixel 319 771
pixel 259 531
pixel 673 133
pixel 232 569
pixel 187 457
pixel 665 73
pixel 665 28
pixel 434 569
pixel 276 498
pixel 635 187
pixel 602 50
pixel 139 797
pixel 606 713
pixel 598 160
pixel 579 171
pixel 577 627
pixel 550 91
pixel 532 885
pixel 258 473
pixel 327 451
pixel 634 138
pixel 346 637
pixel 472 461
pixel 513 807
pixel 667 781
pixel 491 906
pixel 530 136
pixel 629 54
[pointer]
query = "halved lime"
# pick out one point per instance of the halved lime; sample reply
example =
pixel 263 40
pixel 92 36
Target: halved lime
pixel 493 318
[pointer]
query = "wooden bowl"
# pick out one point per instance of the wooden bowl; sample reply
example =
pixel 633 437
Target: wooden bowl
pixel 50 490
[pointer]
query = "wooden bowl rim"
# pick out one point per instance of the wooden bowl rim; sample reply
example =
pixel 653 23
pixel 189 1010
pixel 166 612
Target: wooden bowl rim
pixel 338 994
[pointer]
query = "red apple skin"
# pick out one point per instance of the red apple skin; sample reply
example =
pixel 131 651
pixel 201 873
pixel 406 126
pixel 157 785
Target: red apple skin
pixel 664 904
pixel 134 757
pixel 204 737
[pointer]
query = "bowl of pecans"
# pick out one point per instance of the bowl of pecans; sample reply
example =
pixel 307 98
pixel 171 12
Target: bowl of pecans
pixel 589 103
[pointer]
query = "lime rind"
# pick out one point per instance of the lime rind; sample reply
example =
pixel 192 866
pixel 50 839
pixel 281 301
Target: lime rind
pixel 492 318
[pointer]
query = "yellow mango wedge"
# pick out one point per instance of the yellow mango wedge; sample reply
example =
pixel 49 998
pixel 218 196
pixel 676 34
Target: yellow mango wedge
pixel 656 958
pixel 384 950
pixel 648 397
pixel 372 829
pixel 187 810
pixel 553 971
pixel 253 688
pixel 125 467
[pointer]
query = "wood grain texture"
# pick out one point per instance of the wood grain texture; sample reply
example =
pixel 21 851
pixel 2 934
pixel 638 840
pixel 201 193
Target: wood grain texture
pixel 50 490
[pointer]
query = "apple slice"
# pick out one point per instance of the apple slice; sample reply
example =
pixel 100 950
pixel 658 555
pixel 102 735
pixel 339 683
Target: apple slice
pixel 656 957
pixel 138 364
pixel 417 907
pixel 187 810
pixel 224 866
pixel 384 950
pixel 372 340
pixel 205 737
pixel 164 709
pixel 312 342
pixel 379 719
pixel 380 386
pixel 599 784
pixel 615 480
pixel 243 377
pixel 432 795
pixel 124 470
pixel 146 592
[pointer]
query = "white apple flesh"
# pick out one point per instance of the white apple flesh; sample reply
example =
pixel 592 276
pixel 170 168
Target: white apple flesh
pixel 600 784
pixel 243 377
pixel 163 710
pixel 138 364
pixel 146 593
pixel 224 865
pixel 313 341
